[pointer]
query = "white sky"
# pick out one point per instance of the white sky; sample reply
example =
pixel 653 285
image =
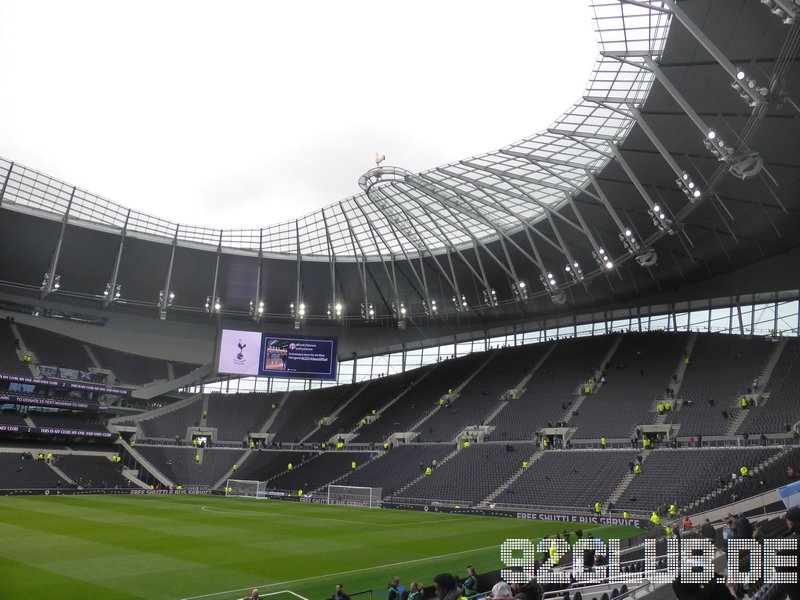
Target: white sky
pixel 245 113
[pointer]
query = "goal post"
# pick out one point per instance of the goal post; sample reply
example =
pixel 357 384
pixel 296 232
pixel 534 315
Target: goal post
pixel 354 496
pixel 245 488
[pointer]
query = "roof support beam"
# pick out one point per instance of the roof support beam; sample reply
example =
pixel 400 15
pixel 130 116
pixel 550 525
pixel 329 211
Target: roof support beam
pixel 111 288
pixel 49 283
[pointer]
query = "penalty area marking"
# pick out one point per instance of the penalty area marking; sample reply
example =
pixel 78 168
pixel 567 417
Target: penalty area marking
pixel 350 572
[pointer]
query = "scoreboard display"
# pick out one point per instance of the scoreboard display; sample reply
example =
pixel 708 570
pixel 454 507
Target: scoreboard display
pixel 255 353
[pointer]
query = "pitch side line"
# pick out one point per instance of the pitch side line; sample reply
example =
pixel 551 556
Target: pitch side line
pixel 350 572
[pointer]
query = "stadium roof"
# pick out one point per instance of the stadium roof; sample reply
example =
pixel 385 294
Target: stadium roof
pixel 678 168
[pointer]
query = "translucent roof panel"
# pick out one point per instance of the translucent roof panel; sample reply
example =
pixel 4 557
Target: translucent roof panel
pixel 455 205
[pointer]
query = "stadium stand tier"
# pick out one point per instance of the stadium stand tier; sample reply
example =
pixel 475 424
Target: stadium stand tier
pixel 721 369
pixel 10 362
pixel 302 411
pixel 234 415
pixel 629 372
pixel 636 377
pixel 554 389
pixel 779 409
pixel 420 400
pixel 55 349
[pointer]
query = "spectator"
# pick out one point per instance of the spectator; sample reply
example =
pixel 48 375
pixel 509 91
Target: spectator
pixel 394 592
pixel 792 590
pixel 446 587
pixel 708 530
pixel 501 590
pixel 742 529
pixel 470 586
pixel 415 591
pixel 339 594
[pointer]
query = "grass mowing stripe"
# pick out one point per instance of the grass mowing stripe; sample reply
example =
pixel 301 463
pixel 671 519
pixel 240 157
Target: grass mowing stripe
pixel 168 547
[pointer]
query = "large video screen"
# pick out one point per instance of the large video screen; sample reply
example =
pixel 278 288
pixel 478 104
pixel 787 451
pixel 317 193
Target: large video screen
pixel 255 353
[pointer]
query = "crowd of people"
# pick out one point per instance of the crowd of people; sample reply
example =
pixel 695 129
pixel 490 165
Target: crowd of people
pixel 447 586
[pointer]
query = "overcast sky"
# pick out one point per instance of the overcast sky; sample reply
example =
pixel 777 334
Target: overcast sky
pixel 245 113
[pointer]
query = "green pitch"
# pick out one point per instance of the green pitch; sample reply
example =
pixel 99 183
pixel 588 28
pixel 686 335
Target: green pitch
pixel 210 547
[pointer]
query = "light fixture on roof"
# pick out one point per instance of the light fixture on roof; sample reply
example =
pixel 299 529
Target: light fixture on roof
pixel 50 284
pixel 629 242
pixel 520 291
pixel 551 287
pixel 741 164
pixel 689 187
pixel 298 313
pixel 718 147
pixel 646 257
pixel 213 304
pixel 785 10
pixel 430 307
pixel 368 311
pixel 165 299
pixel 399 310
pixel 335 310
pixel 661 221
pixel 460 302
pixel 490 297
pixel 749 90
pixel 256 309
pixel 602 259
pixel 575 271
pixel 112 293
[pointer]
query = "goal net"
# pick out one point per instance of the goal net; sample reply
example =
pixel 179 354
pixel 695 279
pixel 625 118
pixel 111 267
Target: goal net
pixel 245 488
pixel 354 496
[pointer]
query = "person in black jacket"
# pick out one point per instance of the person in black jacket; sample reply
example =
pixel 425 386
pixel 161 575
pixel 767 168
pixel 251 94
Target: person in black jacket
pixel 708 530
pixel 792 590
pixel 742 529
pixel 339 593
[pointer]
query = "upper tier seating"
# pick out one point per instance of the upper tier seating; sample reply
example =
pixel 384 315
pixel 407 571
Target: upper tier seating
pixel 375 395
pixel 302 411
pixel 635 379
pixel 721 369
pixel 504 369
pixel 420 399
pixel 553 388
pixel 10 364
pixel 782 408
pixel 234 415
pixel 55 349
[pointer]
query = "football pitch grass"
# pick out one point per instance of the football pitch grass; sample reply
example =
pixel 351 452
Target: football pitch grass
pixel 210 547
